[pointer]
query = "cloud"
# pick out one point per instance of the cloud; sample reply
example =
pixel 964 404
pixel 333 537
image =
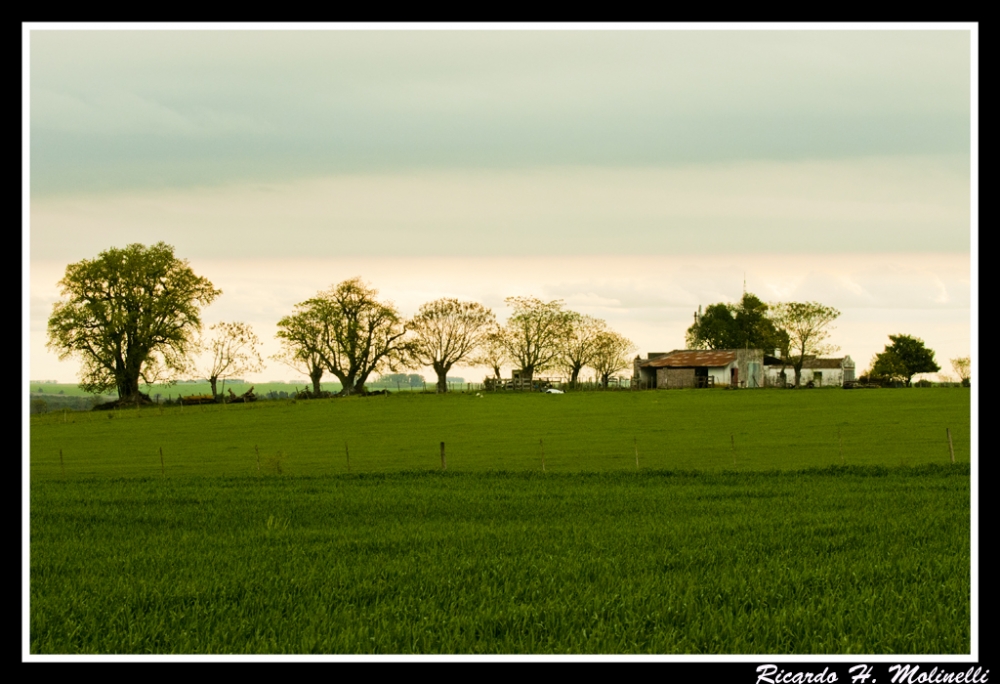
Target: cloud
pixel 887 205
pixel 140 109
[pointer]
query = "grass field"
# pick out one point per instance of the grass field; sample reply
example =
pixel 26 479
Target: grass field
pixel 800 545
pixel 589 431
pixel 166 392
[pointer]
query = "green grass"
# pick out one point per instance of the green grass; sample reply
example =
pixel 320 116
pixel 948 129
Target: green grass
pixel 842 560
pixel 787 551
pixel 588 431
pixel 43 390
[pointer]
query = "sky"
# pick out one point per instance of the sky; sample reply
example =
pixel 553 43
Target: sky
pixel 636 173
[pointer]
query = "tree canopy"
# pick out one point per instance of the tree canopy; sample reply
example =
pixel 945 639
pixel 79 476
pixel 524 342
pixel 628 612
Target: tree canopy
pixel 351 332
pixel 612 353
pixel 445 332
pixel 492 351
pixel 745 324
pixel 233 348
pixel 579 344
pixel 963 368
pixel 905 357
pixel 129 314
pixel 534 333
pixel 807 326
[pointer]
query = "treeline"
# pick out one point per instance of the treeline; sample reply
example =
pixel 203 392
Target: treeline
pixel 133 316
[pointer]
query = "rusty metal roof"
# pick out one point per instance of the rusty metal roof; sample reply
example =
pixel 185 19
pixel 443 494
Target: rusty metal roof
pixel 691 358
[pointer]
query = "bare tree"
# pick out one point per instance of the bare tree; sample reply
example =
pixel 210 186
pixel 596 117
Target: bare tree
pixel 612 353
pixel 535 332
pixel 445 332
pixel 303 360
pixel 807 325
pixel 579 345
pixel 233 347
pixel 352 332
pixel 492 350
pixel 963 369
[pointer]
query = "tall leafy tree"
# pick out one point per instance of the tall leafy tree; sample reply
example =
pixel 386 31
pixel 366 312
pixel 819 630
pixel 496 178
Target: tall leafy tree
pixel 350 330
pixel 905 357
pixel 745 324
pixel 535 332
pixel 130 314
pixel 234 351
pixel 446 331
pixel 807 325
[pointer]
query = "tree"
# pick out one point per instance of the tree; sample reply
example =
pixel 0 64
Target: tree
pixel 234 352
pixel 807 325
pixel 612 353
pixel 130 314
pixel 579 345
pixel 887 367
pixel 352 332
pixel 745 324
pixel 492 350
pixel 305 361
pixel 534 333
pixel 904 358
pixel 445 332
pixel 300 336
pixel 712 329
pixel 963 369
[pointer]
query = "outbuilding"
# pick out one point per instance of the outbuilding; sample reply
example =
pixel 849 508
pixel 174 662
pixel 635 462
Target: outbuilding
pixel 820 372
pixel 683 368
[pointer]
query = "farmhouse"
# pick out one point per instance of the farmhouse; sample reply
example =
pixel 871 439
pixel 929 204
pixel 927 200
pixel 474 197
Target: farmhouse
pixel 700 368
pixel 820 372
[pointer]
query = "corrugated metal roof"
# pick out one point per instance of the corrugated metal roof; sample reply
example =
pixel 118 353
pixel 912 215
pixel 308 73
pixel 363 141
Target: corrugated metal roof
pixel 690 358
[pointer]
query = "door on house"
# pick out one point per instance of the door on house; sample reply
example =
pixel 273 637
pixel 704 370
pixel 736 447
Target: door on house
pixel 734 376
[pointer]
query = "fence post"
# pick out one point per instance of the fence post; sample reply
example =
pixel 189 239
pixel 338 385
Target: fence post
pixel 951 447
pixel 635 445
pixel 163 470
pixel 444 465
pixel 348 452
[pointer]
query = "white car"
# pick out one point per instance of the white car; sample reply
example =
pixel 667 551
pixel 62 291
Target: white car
pixel 554 391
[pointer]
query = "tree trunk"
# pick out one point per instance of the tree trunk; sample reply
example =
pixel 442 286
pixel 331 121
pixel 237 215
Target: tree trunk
pixel 315 376
pixel 214 382
pixel 574 375
pixel 441 371
pixel 604 380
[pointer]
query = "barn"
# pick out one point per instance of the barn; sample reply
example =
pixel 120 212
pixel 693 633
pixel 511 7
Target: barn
pixel 684 368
